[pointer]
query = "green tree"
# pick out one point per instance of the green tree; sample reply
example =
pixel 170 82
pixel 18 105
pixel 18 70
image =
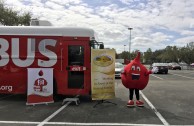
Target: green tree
pixel 148 56
pixel 134 54
pixel 9 17
pixel 186 53
pixel 124 55
pixel 169 54
pixel 157 55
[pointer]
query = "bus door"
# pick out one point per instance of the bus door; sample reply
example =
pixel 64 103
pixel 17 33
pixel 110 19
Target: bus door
pixel 77 66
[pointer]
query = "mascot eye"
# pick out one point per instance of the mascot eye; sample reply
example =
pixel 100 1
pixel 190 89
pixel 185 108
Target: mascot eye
pixel 133 68
pixel 138 69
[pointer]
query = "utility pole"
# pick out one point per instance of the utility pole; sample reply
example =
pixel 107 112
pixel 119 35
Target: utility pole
pixel 130 42
pixel 124 48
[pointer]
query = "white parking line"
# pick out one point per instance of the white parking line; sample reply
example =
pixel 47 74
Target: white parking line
pixel 86 124
pixel 54 114
pixel 101 124
pixel 155 110
pixel 78 124
pixel 182 76
pixel 157 77
pixel 18 122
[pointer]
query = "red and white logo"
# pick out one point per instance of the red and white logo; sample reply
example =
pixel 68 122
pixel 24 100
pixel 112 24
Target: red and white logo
pixel 40 85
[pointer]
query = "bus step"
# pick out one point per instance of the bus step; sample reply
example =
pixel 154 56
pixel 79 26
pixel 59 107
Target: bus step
pixel 76 100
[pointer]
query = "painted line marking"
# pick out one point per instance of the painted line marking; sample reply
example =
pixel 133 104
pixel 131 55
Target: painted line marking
pixel 182 76
pixel 157 77
pixel 155 110
pixel 54 114
pixel 18 122
pixel 86 124
pixel 102 124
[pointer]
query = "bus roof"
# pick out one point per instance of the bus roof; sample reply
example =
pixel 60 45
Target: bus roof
pixel 47 31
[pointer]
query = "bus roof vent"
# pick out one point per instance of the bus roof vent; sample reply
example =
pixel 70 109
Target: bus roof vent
pixel 35 22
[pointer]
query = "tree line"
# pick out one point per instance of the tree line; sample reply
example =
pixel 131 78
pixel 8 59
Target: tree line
pixel 9 17
pixel 167 55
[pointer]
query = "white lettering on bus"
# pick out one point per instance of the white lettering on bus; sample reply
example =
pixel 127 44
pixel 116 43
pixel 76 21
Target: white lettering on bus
pixel 7 88
pixel 47 53
pixel 4 56
pixel 15 54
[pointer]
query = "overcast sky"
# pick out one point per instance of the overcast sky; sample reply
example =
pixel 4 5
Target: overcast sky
pixel 156 23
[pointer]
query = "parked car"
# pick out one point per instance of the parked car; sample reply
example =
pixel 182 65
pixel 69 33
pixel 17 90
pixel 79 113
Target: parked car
pixel 174 66
pixel 184 66
pixel 192 64
pixel 118 68
pixel 159 68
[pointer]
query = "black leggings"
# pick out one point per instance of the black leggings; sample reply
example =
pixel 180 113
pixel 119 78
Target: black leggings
pixel 131 93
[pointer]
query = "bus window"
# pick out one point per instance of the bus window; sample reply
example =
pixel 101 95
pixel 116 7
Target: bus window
pixel 96 45
pixel 101 46
pixel 76 55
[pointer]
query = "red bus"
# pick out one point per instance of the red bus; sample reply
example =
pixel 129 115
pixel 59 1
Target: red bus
pixel 65 49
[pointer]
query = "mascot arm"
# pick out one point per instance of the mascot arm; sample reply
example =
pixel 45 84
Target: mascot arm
pixel 148 72
pixel 123 72
pixel 124 79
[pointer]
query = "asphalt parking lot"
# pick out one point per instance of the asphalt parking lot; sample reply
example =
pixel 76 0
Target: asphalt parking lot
pixel 169 100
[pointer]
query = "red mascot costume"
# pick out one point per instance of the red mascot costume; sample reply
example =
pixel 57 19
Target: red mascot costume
pixel 135 77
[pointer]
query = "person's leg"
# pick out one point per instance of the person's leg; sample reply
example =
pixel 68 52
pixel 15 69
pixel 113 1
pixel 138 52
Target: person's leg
pixel 131 92
pixel 137 93
pixel 138 102
pixel 130 102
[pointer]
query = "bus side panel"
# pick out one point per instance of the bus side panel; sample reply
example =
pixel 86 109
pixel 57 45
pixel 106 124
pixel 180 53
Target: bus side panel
pixel 13 82
pixel 13 78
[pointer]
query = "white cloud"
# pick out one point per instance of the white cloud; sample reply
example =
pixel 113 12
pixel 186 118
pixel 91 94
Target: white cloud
pixel 183 41
pixel 53 5
pixel 13 3
pixel 187 33
pixel 111 20
pixel 67 2
pixel 128 2
pixel 159 37
pixel 83 10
